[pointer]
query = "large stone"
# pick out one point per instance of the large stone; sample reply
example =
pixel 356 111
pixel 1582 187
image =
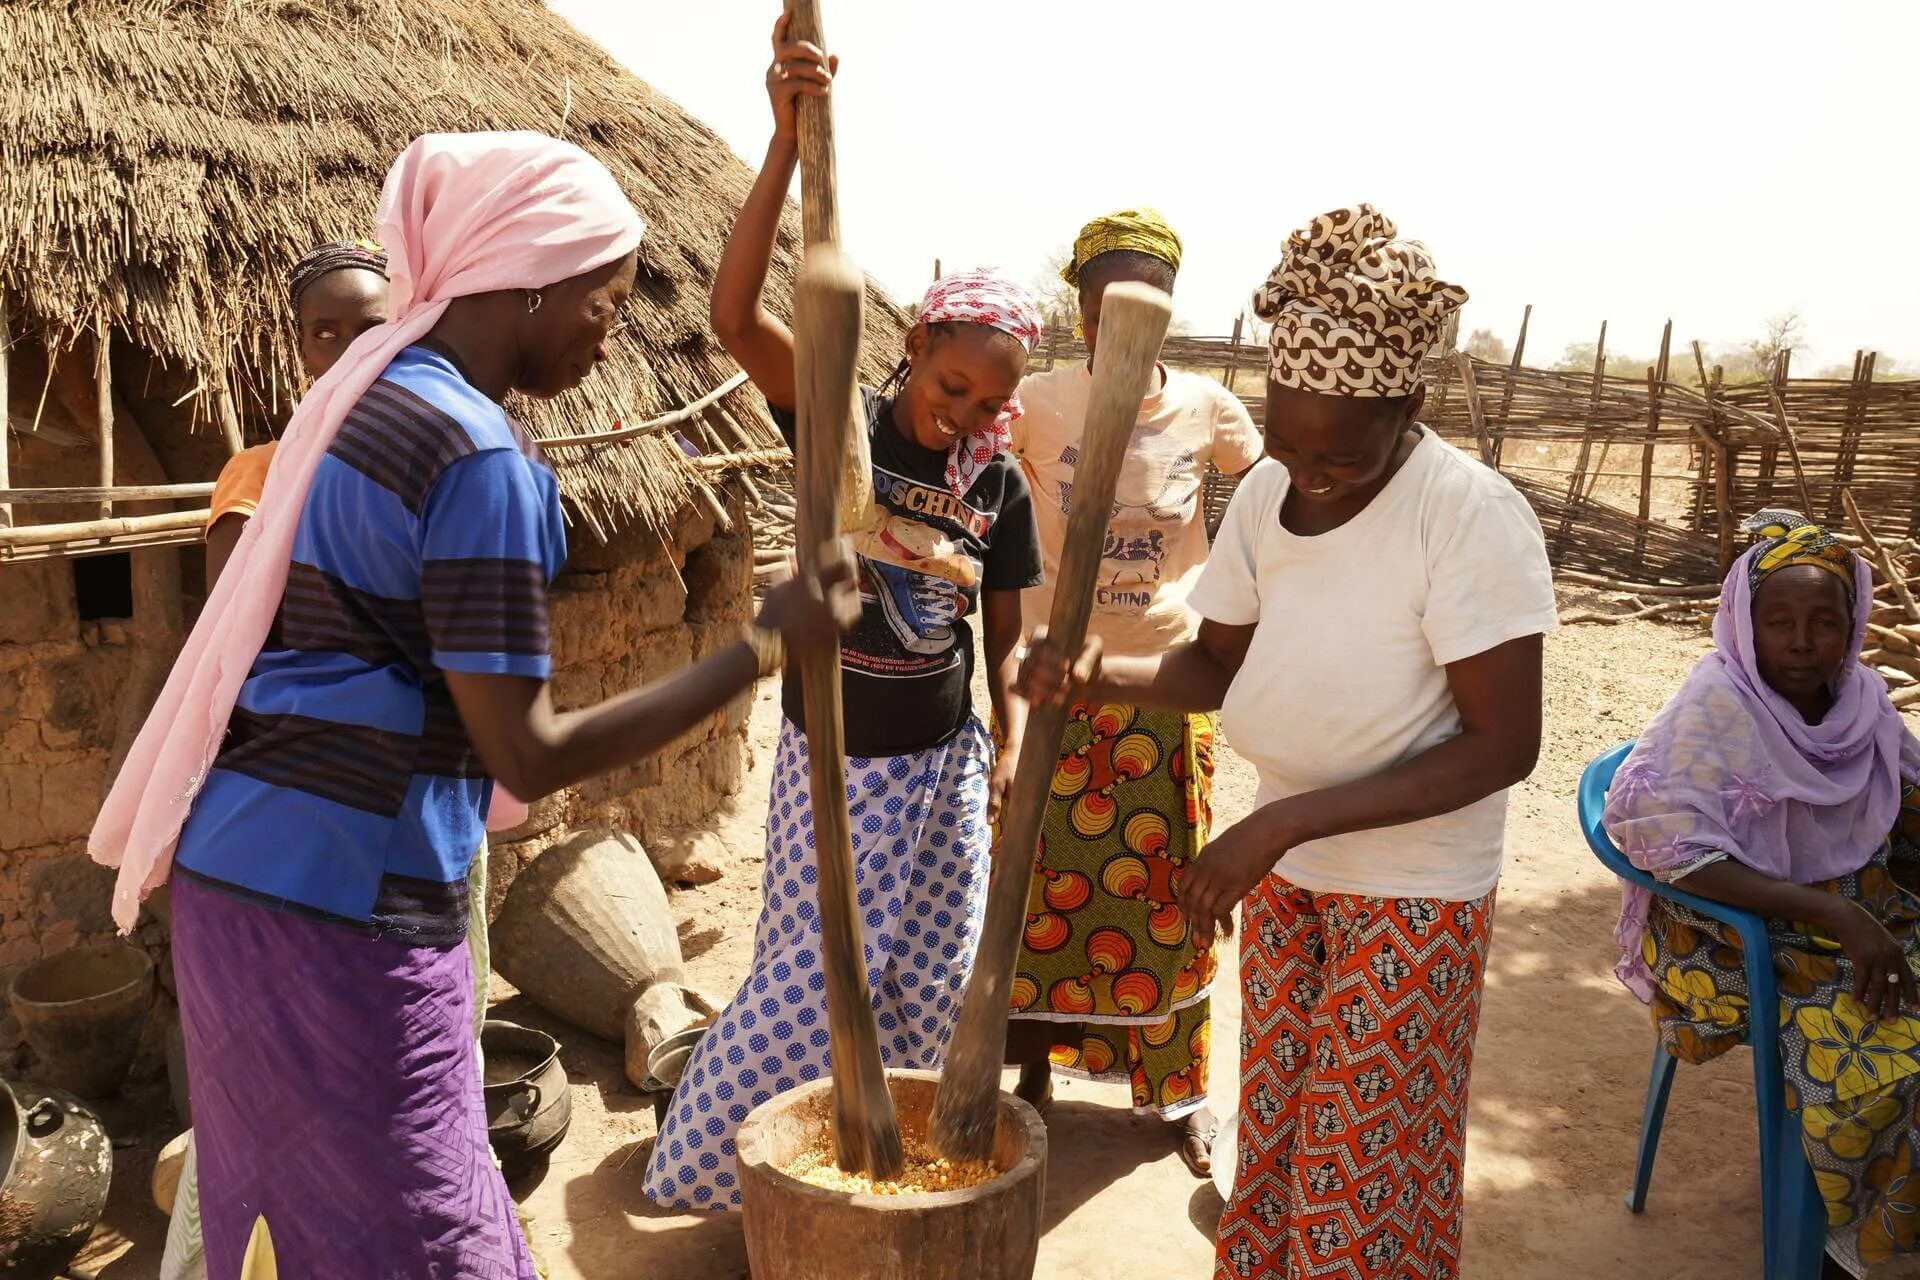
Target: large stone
pixel 663 1010
pixel 689 857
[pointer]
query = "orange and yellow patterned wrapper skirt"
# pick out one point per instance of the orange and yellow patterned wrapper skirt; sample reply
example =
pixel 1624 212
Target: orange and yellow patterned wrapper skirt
pixel 1107 955
pixel 1356 1037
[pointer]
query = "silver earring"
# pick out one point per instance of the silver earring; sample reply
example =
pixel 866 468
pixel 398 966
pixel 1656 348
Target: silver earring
pixel 533 302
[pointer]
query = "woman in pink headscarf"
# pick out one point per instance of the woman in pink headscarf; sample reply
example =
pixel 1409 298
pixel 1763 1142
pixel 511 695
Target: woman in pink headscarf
pixel 955 534
pixel 317 769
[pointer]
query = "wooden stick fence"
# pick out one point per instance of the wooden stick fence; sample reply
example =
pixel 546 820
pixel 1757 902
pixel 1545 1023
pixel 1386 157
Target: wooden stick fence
pixel 1708 453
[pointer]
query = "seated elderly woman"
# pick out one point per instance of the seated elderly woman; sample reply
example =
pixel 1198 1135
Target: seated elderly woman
pixel 1780 779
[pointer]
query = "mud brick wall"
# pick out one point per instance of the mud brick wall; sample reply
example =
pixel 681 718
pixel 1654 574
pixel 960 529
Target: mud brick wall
pixel 624 615
pixel 59 692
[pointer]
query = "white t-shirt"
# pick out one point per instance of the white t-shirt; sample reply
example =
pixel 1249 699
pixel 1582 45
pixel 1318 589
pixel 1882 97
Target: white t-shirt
pixel 1346 674
pixel 1156 537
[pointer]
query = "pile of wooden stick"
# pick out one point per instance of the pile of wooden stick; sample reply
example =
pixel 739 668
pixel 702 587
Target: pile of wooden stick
pixel 1893 628
pixel 1648 599
pixel 771 518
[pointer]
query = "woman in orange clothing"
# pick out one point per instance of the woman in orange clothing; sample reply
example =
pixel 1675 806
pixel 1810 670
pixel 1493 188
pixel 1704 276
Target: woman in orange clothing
pixel 1371 617
pixel 338 292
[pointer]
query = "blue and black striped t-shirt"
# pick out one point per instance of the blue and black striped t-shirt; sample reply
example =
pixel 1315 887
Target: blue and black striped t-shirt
pixel 346 785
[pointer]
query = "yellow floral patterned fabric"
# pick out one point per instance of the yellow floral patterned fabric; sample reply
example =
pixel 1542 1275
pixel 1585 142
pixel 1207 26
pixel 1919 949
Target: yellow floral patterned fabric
pixel 1856 1081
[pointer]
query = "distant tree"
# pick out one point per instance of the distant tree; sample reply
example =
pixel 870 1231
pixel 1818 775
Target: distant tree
pixel 1485 344
pixel 1059 301
pixel 1754 360
pixel 1784 334
pixel 1578 358
pixel 1885 368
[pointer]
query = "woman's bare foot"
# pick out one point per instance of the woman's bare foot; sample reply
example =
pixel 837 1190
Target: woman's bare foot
pixel 1036 1086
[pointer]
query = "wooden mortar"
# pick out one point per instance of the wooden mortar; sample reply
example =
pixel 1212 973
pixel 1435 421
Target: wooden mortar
pixel 797 1231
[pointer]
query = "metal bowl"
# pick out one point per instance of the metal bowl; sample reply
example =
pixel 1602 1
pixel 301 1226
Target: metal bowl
pixel 665 1065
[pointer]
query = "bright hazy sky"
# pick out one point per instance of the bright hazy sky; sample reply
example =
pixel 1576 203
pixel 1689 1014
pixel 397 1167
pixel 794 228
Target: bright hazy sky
pixel 1716 163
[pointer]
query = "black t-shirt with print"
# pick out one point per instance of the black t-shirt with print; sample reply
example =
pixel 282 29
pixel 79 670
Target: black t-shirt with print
pixel 907 665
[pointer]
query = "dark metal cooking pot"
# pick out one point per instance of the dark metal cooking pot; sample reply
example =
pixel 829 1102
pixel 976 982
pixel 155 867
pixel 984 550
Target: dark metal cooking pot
pixel 56 1164
pixel 528 1107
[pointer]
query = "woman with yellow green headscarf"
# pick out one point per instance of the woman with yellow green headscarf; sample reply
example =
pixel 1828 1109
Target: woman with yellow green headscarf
pixel 1109 985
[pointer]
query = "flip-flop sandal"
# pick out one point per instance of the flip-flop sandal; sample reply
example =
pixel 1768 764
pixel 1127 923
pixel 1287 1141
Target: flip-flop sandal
pixel 1196 1143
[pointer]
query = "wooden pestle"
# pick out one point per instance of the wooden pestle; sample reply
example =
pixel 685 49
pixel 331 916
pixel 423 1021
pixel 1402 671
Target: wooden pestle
pixel 827 310
pixel 820 225
pixel 1133 323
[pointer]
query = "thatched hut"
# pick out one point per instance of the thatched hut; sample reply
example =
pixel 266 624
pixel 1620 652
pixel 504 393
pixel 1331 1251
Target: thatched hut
pixel 162 164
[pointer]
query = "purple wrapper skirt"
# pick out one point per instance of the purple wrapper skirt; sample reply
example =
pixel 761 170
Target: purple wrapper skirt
pixel 336 1092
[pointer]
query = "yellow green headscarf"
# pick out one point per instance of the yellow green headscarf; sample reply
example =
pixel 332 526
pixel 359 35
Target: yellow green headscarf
pixel 1788 538
pixel 1138 230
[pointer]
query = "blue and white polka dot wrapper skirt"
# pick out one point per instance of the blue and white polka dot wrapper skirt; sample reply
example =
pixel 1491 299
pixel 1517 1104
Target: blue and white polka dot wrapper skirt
pixel 920 847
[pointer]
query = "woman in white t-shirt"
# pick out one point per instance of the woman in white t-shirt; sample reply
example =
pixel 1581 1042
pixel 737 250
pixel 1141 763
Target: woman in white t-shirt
pixel 1372 616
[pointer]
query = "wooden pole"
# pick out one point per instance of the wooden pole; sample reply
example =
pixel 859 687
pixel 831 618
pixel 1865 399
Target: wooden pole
pixel 936 269
pixel 827 302
pixel 36 535
pixel 1855 428
pixel 158 624
pixel 229 420
pixel 103 403
pixel 1464 363
pixel 1792 438
pixel 1889 571
pixel 1656 384
pixel 1770 452
pixel 6 419
pixel 1133 324
pixel 98 493
pixel 1233 355
pixel 1721 459
pixel 1586 442
pixel 1513 376
pixel 820 224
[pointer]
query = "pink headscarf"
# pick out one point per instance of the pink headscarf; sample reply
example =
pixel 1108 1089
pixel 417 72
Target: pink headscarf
pixel 982 297
pixel 461 214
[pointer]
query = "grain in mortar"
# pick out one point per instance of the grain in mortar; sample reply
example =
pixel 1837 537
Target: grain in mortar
pixel 925 1170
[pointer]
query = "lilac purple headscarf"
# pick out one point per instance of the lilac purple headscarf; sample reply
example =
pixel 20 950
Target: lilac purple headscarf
pixel 1729 770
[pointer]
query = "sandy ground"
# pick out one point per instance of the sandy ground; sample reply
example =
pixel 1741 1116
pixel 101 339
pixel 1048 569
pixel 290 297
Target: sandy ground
pixel 1557 1086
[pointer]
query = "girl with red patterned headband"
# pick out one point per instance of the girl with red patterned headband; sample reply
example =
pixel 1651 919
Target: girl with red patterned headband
pixel 955 534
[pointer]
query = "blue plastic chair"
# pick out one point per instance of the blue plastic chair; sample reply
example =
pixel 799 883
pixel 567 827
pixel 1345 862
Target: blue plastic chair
pixel 1793 1217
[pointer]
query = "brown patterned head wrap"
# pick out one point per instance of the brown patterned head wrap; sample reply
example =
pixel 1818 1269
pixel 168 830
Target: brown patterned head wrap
pixel 1353 308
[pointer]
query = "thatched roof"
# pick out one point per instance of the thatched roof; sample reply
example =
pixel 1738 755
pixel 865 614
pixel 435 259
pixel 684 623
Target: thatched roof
pixel 164 162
